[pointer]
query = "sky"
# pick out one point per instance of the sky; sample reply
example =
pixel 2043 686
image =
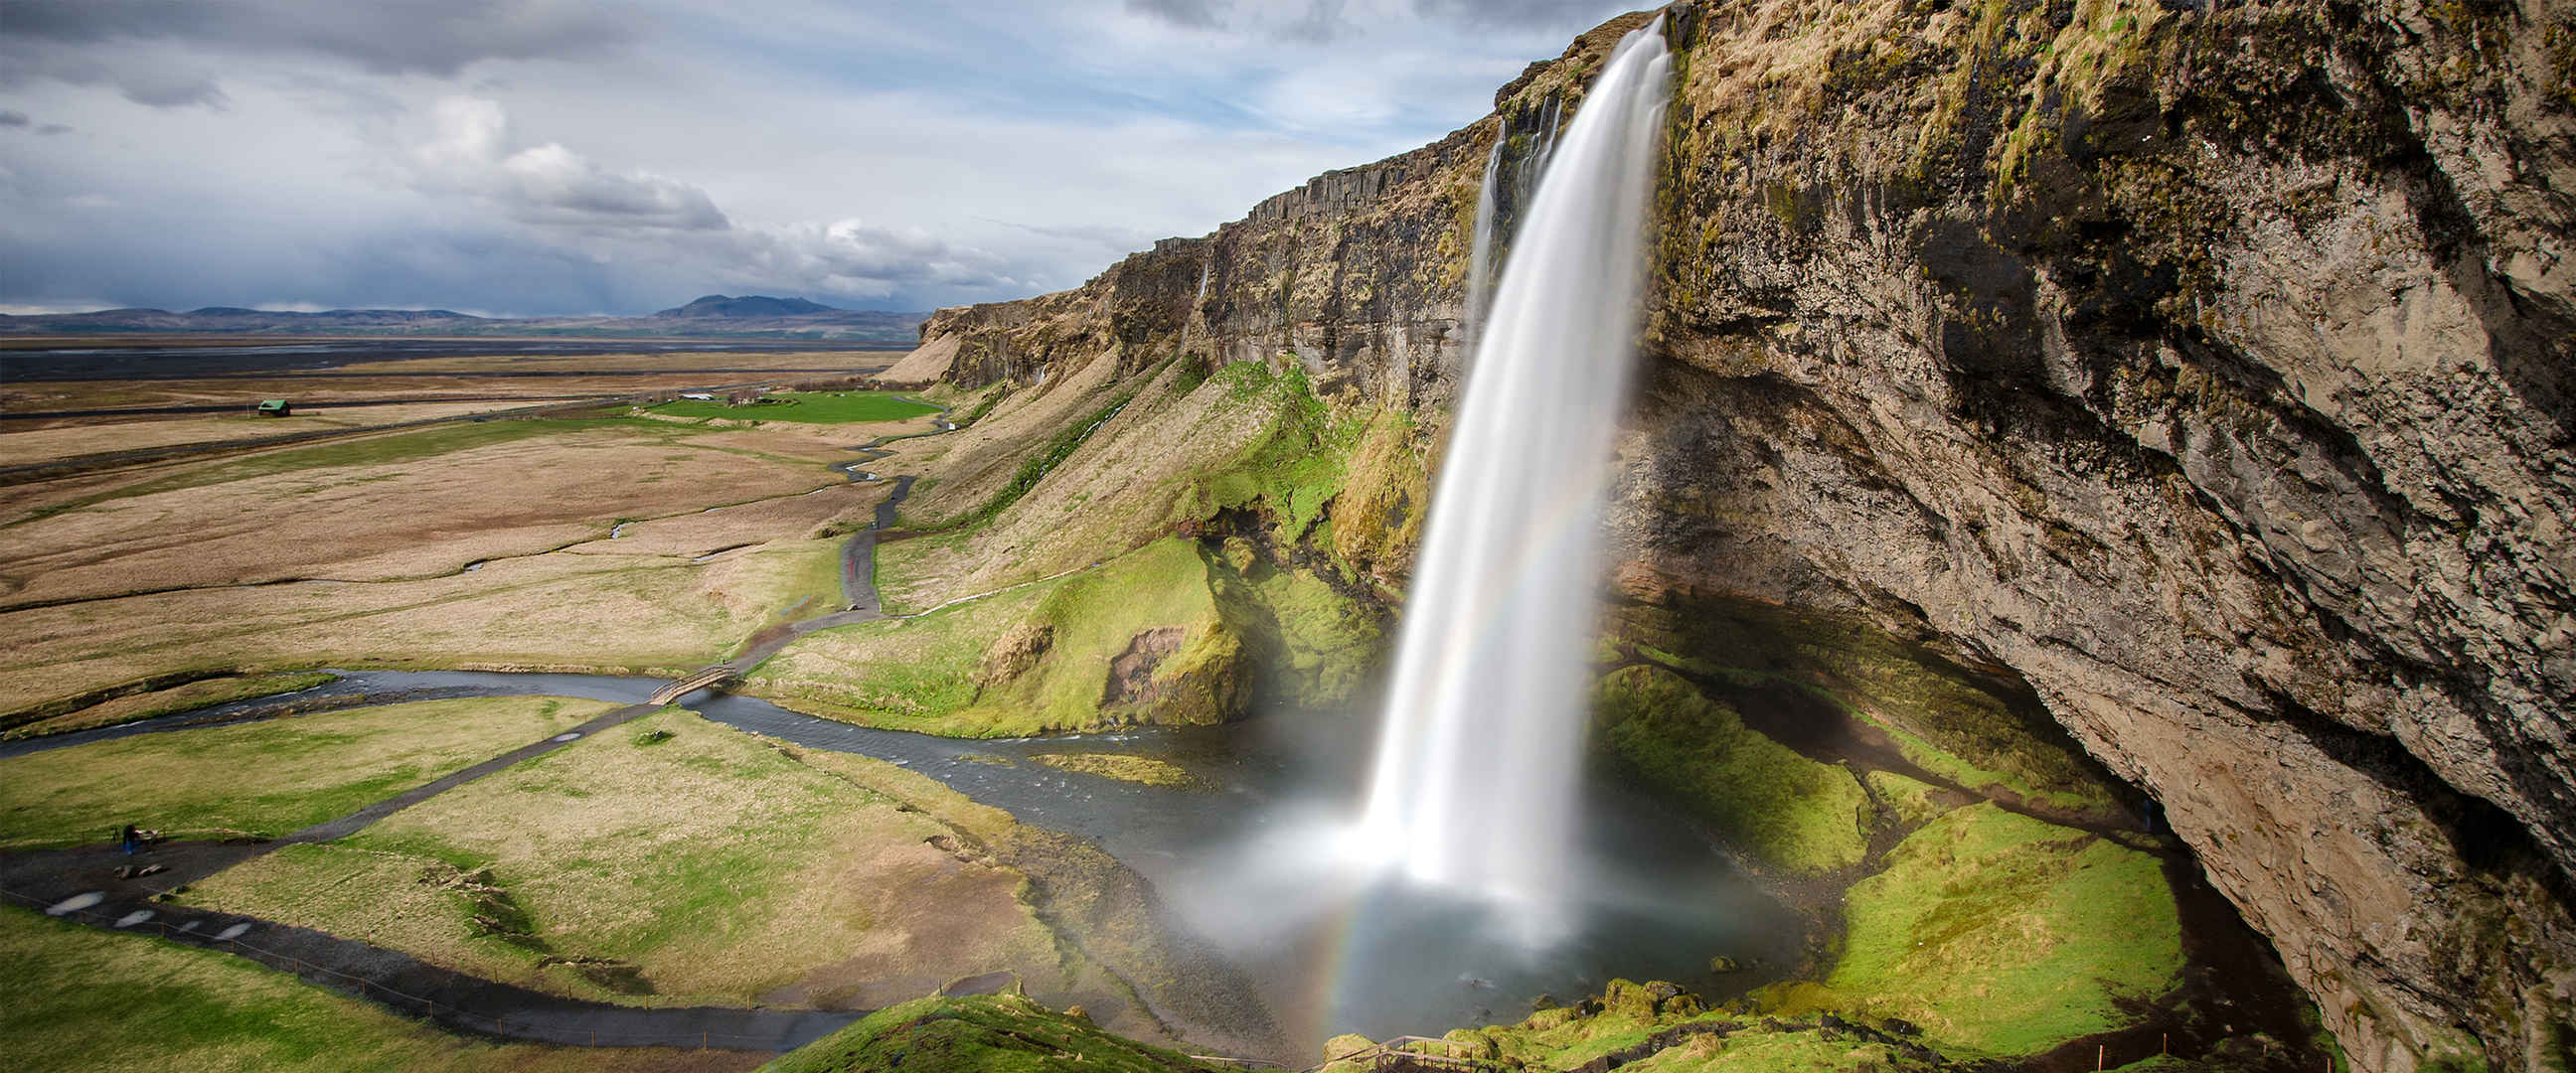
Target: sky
pixel 550 157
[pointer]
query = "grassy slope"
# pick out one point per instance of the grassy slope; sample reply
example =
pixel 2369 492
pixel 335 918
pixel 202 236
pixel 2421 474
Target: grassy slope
pixel 1034 658
pixel 1118 469
pixel 687 861
pixel 2004 935
pixel 820 407
pixel 80 999
pixel 1785 810
pixel 270 777
pixel 979 1034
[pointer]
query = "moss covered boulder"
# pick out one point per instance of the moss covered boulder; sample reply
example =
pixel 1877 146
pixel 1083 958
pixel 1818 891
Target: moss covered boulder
pixel 979 1034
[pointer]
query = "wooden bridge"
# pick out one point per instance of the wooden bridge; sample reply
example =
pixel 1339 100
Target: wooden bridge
pixel 716 675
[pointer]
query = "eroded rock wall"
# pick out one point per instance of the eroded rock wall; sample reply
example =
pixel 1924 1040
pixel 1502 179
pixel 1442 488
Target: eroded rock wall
pixel 2205 364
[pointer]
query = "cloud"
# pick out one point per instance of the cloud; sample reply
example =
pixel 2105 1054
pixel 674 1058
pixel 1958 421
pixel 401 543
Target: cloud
pixel 1195 14
pixel 128 43
pixel 16 120
pixel 541 156
pixel 144 78
pixel 853 257
pixel 1312 22
pixel 1517 14
pixel 474 152
pixel 439 37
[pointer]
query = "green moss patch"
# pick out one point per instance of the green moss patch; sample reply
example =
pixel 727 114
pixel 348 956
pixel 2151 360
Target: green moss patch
pixel 1784 810
pixel 1949 721
pixel 268 777
pixel 1316 643
pixel 2004 935
pixel 1913 802
pixel 978 1034
pixel 1143 770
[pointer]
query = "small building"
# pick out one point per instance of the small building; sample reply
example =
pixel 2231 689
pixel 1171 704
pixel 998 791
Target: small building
pixel 698 395
pixel 275 408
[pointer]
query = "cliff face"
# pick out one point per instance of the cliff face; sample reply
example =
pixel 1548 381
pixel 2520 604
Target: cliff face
pixel 2207 365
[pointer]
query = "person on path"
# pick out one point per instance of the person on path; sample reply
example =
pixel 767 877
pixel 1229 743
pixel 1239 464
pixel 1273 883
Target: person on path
pixel 132 838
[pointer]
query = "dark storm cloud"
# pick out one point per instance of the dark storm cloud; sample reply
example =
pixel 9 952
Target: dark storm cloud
pixel 90 42
pixel 384 36
pixel 1195 14
pixel 11 118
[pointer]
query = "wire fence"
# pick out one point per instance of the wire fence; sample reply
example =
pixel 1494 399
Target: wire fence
pixel 377 991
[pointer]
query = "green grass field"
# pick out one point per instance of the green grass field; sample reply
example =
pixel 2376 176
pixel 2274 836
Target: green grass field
pixel 269 777
pixel 79 998
pixel 813 408
pixel 1788 811
pixel 2003 935
pixel 672 861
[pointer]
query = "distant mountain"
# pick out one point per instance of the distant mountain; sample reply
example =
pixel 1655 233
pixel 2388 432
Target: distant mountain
pixel 749 305
pixel 715 315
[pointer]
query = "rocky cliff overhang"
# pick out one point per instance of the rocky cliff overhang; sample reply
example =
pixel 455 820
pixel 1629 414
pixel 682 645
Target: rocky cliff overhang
pixel 2206 364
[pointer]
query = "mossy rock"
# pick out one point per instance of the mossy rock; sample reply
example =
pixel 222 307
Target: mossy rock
pixel 978 1034
pixel 1782 809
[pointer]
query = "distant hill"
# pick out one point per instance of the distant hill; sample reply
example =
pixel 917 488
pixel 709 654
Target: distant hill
pixel 757 316
pixel 749 305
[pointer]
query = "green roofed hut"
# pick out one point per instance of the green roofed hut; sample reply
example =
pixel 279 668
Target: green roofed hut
pixel 274 408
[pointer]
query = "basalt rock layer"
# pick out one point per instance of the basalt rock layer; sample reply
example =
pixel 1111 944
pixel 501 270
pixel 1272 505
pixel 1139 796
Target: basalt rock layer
pixel 2208 365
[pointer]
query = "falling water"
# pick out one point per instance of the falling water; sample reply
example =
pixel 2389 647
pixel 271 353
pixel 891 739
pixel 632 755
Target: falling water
pixel 1476 773
pixel 1480 258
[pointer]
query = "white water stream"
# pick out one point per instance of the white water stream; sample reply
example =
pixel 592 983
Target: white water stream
pixel 1480 256
pixel 1476 777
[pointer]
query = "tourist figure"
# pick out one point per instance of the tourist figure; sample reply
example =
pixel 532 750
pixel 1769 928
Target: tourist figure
pixel 132 838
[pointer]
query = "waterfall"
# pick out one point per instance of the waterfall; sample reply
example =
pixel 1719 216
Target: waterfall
pixel 1480 258
pixel 1476 777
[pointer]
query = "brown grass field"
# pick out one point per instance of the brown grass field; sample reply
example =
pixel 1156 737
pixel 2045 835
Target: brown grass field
pixel 355 551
